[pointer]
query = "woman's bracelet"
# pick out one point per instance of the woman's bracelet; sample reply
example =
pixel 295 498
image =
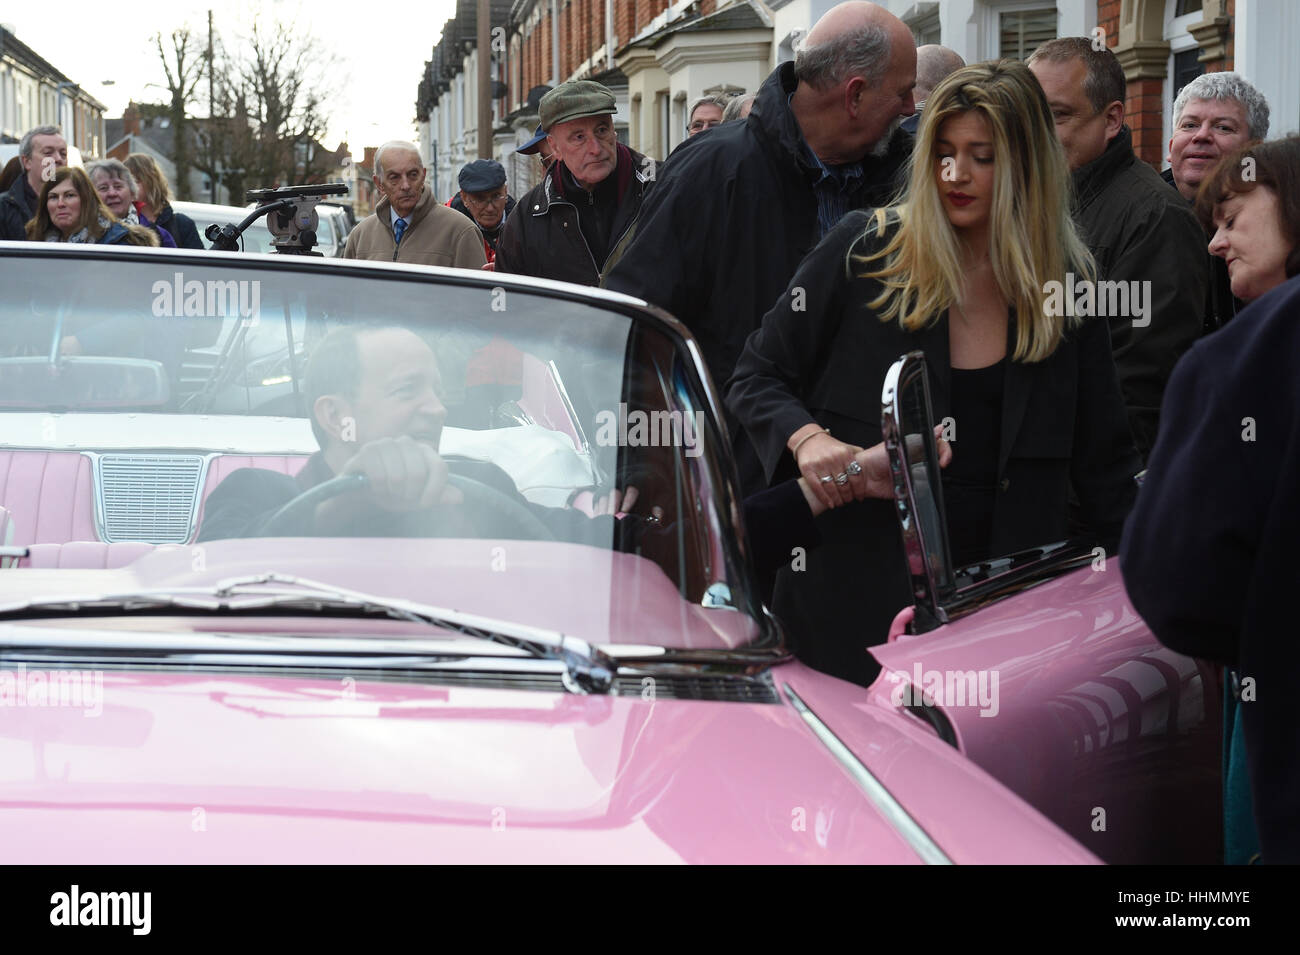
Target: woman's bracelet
pixel 794 452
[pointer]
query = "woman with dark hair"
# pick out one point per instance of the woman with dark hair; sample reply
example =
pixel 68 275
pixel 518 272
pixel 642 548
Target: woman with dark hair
pixel 70 210
pixel 13 169
pixel 1251 204
pixel 969 269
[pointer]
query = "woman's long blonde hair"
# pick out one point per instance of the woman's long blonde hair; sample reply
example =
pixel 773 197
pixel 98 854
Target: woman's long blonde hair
pixel 1032 239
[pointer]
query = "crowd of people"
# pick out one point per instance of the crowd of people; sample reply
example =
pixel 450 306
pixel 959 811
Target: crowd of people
pixel 872 199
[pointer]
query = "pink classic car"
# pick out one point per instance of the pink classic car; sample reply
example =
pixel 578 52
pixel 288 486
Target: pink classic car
pixel 308 560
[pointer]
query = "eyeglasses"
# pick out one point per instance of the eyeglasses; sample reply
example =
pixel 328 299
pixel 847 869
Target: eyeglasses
pixel 493 199
pixel 702 124
pixel 546 161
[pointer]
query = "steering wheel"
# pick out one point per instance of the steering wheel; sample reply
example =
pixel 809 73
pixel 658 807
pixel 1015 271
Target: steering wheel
pixel 480 498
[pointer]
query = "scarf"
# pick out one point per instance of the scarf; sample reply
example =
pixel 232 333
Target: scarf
pixel 82 236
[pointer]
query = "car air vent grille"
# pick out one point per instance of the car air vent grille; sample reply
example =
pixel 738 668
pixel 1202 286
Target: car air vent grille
pixel 149 497
pixel 728 689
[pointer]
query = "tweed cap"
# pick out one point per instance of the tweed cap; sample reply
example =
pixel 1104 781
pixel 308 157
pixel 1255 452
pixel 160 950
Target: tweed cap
pixel 577 99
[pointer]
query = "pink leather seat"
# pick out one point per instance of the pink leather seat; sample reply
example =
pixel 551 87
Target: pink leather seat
pixel 48 495
pixel 47 505
pixel 84 555
pixel 221 467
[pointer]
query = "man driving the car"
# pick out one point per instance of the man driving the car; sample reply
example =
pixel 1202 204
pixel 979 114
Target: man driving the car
pixel 373 395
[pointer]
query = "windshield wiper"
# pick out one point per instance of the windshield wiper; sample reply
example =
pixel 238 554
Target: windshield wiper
pixel 587 669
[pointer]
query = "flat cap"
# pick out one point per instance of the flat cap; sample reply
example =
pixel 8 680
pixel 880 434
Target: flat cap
pixel 482 175
pixel 576 99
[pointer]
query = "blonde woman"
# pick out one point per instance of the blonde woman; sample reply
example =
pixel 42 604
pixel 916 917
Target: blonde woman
pixel 153 199
pixel 969 269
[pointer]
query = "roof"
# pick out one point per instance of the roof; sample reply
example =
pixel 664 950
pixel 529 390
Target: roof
pixel 743 15
pixel 20 52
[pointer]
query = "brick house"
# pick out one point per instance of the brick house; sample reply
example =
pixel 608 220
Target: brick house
pixel 658 55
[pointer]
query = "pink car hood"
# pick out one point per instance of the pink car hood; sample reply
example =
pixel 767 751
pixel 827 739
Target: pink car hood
pixel 231 768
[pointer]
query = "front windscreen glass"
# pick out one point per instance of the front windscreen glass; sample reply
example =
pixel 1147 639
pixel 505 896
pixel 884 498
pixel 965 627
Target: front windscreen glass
pixel 527 458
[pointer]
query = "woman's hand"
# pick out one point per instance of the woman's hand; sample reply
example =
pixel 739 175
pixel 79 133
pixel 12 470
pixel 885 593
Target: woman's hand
pixel 822 460
pixel 875 480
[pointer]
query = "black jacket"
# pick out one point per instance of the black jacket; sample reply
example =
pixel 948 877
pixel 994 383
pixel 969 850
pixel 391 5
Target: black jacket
pixel 1139 231
pixel 731 218
pixel 1220 303
pixel 181 226
pixel 17 206
pixel 544 236
pixel 242 504
pixel 1210 556
pixel 1063 425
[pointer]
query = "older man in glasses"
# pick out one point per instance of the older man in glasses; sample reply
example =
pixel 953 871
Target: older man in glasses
pixel 483 198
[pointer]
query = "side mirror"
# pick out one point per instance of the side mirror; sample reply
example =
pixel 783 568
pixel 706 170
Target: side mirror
pixel 941 591
pixel 907 423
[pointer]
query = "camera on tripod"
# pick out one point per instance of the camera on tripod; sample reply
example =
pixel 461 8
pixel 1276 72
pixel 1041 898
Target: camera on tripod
pixel 290 215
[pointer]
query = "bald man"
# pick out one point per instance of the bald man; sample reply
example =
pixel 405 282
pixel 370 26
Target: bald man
pixel 734 212
pixel 933 65
pixel 408 224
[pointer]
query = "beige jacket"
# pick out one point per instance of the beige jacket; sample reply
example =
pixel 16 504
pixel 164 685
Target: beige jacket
pixel 435 235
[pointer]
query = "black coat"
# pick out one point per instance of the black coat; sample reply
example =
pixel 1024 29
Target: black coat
pixel 1063 425
pixel 731 218
pixel 1220 304
pixel 17 206
pixel 544 236
pixel 181 226
pixel 1140 231
pixel 1209 554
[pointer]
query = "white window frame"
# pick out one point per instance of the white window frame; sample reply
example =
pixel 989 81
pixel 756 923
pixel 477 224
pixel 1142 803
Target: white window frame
pixel 991 22
pixel 1180 41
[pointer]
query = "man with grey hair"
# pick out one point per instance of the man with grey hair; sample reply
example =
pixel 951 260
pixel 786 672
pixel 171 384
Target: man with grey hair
pixel 735 211
pixel 1214 114
pixel 705 113
pixel 934 63
pixel 738 107
pixel 408 224
pixel 41 151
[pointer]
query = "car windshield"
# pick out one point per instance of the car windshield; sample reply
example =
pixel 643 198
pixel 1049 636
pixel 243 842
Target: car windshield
pixel 170 420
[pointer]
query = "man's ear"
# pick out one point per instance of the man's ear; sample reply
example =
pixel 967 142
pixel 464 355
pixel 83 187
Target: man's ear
pixel 1114 120
pixel 854 90
pixel 334 414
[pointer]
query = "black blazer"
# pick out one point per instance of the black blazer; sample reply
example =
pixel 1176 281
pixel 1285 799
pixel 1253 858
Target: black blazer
pixel 822 354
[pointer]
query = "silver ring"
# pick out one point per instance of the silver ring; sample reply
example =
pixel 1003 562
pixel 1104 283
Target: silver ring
pixel 853 467
pixel 826 479
pixel 841 479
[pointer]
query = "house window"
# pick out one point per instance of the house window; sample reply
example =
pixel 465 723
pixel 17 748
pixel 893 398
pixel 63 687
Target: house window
pixel 1184 7
pixel 1020 32
pixel 1187 67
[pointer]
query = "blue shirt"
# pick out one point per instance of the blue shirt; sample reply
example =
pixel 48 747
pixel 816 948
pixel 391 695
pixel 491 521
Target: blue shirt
pixel 833 188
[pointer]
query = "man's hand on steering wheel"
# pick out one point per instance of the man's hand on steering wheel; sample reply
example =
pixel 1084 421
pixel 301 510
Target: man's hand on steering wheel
pixel 403 474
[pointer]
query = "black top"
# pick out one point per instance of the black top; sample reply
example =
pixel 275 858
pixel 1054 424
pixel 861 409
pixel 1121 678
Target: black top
pixel 1210 558
pixel 596 211
pixel 970 482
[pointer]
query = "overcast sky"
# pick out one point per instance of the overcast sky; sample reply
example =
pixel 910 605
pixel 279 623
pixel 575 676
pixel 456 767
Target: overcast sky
pixel 381 54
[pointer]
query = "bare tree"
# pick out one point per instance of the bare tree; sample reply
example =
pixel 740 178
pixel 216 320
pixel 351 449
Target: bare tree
pixel 183 69
pixel 266 108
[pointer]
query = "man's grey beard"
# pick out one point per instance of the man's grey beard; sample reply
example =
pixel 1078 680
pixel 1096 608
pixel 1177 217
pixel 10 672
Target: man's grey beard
pixel 882 144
